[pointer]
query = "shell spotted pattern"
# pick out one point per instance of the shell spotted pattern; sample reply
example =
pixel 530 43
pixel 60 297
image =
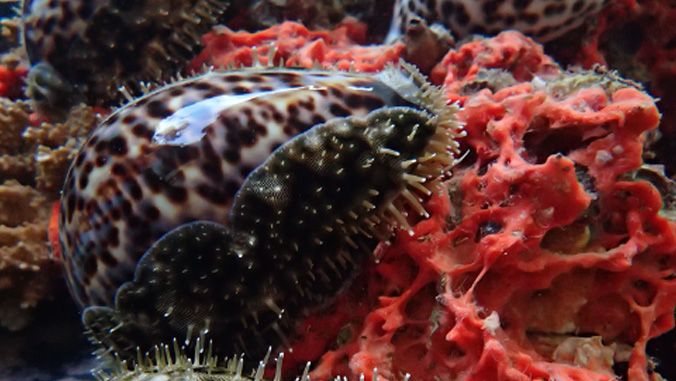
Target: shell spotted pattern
pixel 181 153
pixel 543 20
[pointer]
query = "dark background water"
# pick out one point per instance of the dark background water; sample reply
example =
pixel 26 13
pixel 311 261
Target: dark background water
pixel 51 348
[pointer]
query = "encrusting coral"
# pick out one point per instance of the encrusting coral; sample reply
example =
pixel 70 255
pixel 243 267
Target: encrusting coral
pixel 296 45
pixel 34 157
pixel 33 163
pixel 26 271
pixel 54 145
pixel 636 38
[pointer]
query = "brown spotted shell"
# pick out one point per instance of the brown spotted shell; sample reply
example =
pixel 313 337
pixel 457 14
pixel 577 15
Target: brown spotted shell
pixel 299 228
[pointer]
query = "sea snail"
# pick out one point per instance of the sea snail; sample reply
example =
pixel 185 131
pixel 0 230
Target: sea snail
pixel 236 202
